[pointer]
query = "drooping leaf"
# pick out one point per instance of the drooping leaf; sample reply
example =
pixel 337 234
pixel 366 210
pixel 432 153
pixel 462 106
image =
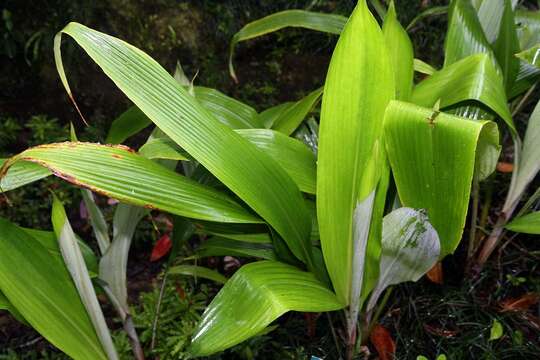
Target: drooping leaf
pixel 40 287
pixel 433 156
pixel 431 11
pixel 400 50
pixel 528 224
pixel 287 117
pixel 289 18
pixel 528 163
pixel 21 174
pixel 358 87
pixel 221 246
pixel 68 244
pixel 410 247
pixel 117 172
pixel 465 35
pixel 113 264
pixel 129 123
pixel 249 173
pixel 197 271
pixel 256 295
pixel 473 78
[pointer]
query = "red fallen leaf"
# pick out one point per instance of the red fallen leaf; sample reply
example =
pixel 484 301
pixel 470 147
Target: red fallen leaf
pixel 520 304
pixel 162 247
pixel 440 332
pixel 505 167
pixel 435 274
pixel 384 344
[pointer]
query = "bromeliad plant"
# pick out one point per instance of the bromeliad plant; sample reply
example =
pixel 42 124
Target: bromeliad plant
pixel 321 222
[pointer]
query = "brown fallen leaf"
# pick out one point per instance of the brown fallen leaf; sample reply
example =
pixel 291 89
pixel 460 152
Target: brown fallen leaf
pixel 382 341
pixel 520 304
pixel 440 332
pixel 435 274
pixel 505 167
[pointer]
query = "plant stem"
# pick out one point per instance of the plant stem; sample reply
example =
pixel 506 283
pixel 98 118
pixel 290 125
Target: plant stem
pixel 474 215
pixel 158 309
pixel 493 240
pixel 352 329
pixel 333 331
pixel 379 310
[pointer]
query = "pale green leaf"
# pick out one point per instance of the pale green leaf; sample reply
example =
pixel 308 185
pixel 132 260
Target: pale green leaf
pixel 256 295
pixel 40 287
pixel 528 224
pixel 531 55
pixel 490 14
pixel 433 156
pixel 496 331
pixel 358 87
pixel 99 226
pixel 423 67
pixel 289 18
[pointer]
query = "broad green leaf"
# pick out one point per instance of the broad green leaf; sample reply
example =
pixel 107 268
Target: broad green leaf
pixel 292 155
pixel 48 240
pixel 249 173
pixel 256 295
pixel 99 226
pixel 496 331
pixel 8 306
pixel 431 11
pixel 289 18
pixel 528 224
pixel 410 247
pixel 423 67
pixel 358 87
pixel 162 148
pixel 289 117
pixel 221 246
pixel 117 172
pixel 113 263
pixel 400 50
pixel 531 55
pixel 129 123
pixel 229 111
pixel 40 287
pixel 433 156
pixel 197 271
pixel 71 253
pixel 507 45
pixel 473 78
pixel 21 174
pixel 528 163
pixel 465 35
pixel 490 14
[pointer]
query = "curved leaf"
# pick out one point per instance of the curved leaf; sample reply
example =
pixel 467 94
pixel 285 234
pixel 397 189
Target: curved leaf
pixel 289 18
pixel 289 117
pixel 248 172
pixel 197 271
pixel 162 148
pixel 221 246
pixel 117 172
pixel 129 123
pixel 432 11
pixel 358 87
pixel 433 157
pixel 21 174
pixel 256 295
pixel 423 67
pixel 528 224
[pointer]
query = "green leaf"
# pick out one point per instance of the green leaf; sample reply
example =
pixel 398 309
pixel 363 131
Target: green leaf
pixel 289 117
pixel 197 271
pixel 40 287
pixel 8 306
pixel 248 172
pixel 528 224
pixel 400 50
pixel 490 14
pixel 473 78
pixel 528 163
pixel 221 246
pixel 21 174
pixel 465 35
pixel 358 87
pixel 162 148
pixel 410 247
pixel 433 156
pixel 528 30
pixel 129 123
pixel 531 56
pixel 71 253
pixel 117 172
pixel 99 226
pixel 256 295
pixel 423 67
pixel 431 11
pixel 289 18
pixel 255 233
pixel 227 110
pixel 507 45
pixel 496 331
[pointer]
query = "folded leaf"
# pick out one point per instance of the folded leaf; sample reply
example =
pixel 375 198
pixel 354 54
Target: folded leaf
pixel 249 173
pixel 358 87
pixel 289 18
pixel 117 172
pixel 256 295
pixel 473 78
pixel 433 156
pixel 528 224
pixel 41 289
pixel 67 241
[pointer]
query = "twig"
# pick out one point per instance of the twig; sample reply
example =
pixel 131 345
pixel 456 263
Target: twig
pixel 333 331
pixel 158 309
pixel 474 215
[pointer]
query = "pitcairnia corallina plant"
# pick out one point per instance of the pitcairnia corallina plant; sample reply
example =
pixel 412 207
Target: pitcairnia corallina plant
pixel 316 201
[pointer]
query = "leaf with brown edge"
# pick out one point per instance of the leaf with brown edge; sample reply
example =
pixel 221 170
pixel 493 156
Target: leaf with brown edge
pixel 384 344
